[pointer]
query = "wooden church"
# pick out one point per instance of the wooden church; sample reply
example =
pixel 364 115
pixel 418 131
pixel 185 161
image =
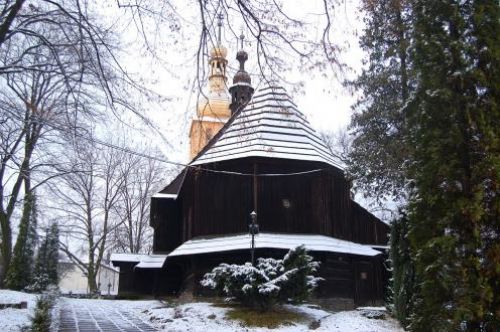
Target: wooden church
pixel 255 151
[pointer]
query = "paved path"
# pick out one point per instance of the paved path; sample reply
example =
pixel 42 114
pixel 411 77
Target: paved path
pixel 78 315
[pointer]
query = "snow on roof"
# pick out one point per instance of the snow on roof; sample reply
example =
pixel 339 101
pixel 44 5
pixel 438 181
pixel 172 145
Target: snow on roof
pixel 162 195
pixel 126 257
pixel 109 267
pixel 269 126
pixel 144 261
pixel 271 240
pixel 379 246
pixel 152 262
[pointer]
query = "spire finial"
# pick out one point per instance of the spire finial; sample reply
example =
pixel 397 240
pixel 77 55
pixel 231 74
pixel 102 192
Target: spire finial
pixel 219 24
pixel 242 37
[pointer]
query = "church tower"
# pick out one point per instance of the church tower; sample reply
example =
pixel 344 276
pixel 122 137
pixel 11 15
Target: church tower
pixel 241 90
pixel 213 109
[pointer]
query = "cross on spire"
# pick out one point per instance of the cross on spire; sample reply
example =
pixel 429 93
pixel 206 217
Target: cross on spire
pixel 219 24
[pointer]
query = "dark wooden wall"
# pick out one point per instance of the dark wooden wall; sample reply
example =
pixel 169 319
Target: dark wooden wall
pixel 149 282
pixel 126 279
pixel 367 228
pixel 216 204
pixel 165 219
pixel 221 203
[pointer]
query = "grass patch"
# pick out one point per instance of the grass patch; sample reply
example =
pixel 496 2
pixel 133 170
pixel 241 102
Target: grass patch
pixel 273 318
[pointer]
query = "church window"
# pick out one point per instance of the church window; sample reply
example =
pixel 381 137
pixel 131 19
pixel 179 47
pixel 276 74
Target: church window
pixel 286 203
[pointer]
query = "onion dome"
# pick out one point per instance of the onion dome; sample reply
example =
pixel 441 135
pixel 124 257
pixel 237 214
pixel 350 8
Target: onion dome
pixel 241 75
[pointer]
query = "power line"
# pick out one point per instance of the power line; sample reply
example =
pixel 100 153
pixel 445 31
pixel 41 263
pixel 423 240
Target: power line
pixel 143 155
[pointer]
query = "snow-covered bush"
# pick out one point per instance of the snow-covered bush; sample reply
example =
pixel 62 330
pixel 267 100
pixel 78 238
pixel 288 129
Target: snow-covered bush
pixel 270 281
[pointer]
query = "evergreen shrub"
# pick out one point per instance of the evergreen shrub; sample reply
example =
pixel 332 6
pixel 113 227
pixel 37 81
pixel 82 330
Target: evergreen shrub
pixel 269 282
pixel 42 320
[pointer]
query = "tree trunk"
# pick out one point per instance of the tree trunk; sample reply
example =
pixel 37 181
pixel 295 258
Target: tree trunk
pixel 5 26
pixel 6 249
pixel 91 276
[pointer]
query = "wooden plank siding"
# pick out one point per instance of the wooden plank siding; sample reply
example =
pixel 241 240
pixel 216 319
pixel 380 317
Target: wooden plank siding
pixel 217 204
pixel 368 229
pixel 165 218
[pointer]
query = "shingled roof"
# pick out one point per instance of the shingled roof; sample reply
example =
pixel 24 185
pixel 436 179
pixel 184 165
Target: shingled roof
pixel 269 126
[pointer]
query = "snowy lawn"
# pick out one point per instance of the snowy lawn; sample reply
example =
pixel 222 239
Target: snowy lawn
pixel 202 316
pixel 16 319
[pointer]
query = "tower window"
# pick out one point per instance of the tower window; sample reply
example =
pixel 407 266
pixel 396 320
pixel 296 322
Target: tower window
pixel 209 134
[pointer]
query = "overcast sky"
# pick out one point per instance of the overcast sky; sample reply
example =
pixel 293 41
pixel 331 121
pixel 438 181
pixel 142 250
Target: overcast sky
pixel 324 100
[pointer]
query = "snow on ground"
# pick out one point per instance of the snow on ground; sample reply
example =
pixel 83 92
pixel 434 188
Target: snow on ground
pixel 354 321
pixel 196 316
pixel 14 319
pixel 200 316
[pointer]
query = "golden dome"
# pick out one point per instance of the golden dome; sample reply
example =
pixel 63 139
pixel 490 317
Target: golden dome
pixel 218 52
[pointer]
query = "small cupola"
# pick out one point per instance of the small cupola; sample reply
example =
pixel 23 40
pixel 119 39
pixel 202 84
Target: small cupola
pixel 241 90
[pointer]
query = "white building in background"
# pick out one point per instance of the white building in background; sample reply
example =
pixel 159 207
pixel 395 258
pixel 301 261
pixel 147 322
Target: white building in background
pixel 74 281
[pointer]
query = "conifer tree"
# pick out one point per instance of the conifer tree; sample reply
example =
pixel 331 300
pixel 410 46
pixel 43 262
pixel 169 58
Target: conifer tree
pixel 45 272
pixel 403 274
pixel 455 126
pixel 53 254
pixel 377 157
pixel 19 274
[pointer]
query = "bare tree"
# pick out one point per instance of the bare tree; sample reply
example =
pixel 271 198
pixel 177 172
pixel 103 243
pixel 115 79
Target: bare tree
pixel 34 106
pixel 87 199
pixel 142 177
pixel 339 143
pixel 276 34
pixel 53 28
pixel 26 97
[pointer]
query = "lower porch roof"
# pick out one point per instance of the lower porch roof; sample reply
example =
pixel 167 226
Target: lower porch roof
pixel 206 245
pixel 143 261
pixel 312 242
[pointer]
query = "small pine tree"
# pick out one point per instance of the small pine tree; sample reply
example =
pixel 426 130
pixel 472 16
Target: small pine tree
pixel 403 274
pixel 45 272
pixel 53 258
pixel 300 268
